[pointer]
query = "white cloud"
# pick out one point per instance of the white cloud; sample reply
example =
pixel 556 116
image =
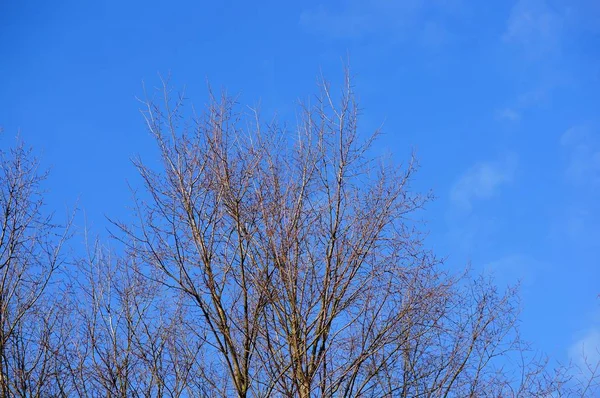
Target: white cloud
pixel 536 33
pixel 584 167
pixel 576 225
pixel 483 181
pixel 469 233
pixel 353 19
pixel 338 25
pixel 575 136
pixel 586 350
pixel 583 154
pixel 534 27
pixel 514 268
pixel 508 114
pixel 392 19
pixel 532 98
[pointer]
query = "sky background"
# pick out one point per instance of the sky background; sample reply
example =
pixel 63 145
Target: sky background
pixel 499 99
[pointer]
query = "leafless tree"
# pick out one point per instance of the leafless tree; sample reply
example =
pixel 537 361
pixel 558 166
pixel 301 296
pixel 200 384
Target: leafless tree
pixel 195 230
pixel 125 333
pixel 30 254
pixel 302 255
pixel 263 261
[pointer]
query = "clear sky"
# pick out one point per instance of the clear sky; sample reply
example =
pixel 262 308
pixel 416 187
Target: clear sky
pixel 501 100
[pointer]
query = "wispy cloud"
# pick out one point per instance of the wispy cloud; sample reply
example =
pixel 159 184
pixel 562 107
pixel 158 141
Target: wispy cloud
pixel 577 223
pixel 509 114
pixel 353 19
pixel 585 351
pixel 583 152
pixel 535 35
pixel 535 28
pixel 483 181
pixel 514 268
pixel 535 97
pixel 539 34
pixel 339 24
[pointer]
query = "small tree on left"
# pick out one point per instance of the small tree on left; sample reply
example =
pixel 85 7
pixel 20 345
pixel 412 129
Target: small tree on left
pixel 30 256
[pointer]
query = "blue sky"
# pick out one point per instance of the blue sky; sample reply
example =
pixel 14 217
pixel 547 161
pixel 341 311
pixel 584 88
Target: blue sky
pixel 500 100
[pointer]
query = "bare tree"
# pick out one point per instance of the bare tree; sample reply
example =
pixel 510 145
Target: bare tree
pixel 262 262
pixel 125 333
pixel 302 255
pixel 196 231
pixel 30 254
